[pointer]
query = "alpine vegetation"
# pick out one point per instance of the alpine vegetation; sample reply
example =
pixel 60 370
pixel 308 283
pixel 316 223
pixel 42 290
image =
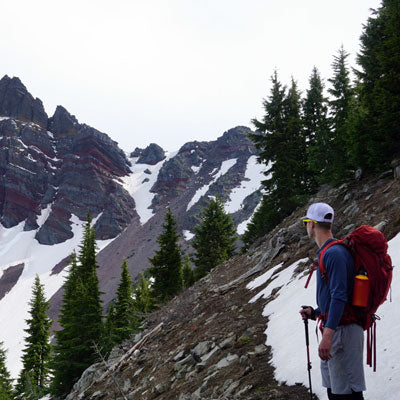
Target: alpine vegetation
pixel 167 263
pixel 121 320
pixel 214 240
pixel 6 388
pixel 74 350
pixel 34 378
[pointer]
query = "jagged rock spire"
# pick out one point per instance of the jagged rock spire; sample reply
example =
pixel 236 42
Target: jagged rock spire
pixel 17 102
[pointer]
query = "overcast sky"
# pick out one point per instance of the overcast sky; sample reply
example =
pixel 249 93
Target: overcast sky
pixel 170 71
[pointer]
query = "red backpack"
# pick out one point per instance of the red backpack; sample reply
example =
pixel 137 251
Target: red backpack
pixel 369 249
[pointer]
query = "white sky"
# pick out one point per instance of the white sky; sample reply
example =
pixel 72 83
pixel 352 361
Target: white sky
pixel 170 71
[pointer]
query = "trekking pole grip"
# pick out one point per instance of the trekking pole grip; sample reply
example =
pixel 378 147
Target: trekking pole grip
pixel 306 325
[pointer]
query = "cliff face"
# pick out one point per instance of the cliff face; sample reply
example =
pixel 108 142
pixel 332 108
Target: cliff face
pixel 58 164
pixel 210 341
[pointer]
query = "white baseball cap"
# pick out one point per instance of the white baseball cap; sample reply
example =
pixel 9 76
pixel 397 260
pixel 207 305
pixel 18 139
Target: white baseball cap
pixel 320 212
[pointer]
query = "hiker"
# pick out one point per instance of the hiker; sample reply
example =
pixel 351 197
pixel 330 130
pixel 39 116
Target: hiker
pixel 341 346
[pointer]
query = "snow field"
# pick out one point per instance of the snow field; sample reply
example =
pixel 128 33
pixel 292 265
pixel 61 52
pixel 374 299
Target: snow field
pixel 225 167
pixel 139 190
pixel 286 332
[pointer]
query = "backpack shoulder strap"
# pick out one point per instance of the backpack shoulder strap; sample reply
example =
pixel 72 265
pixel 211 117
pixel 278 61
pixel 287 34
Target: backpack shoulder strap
pixel 321 267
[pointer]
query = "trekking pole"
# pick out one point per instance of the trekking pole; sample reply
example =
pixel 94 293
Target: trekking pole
pixel 308 352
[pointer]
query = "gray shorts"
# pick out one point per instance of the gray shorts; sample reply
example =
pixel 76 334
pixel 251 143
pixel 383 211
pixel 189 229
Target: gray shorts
pixel 345 370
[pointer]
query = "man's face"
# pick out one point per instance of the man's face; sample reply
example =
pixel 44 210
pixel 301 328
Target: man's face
pixel 310 229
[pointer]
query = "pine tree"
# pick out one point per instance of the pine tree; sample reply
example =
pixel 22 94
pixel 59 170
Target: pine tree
pixel 143 302
pixel 66 363
pixel 187 272
pixel 282 148
pixel 214 240
pixel 125 321
pixel 109 328
pixel 337 155
pixel 34 377
pixel 376 134
pixel 272 120
pixel 167 264
pixel 263 220
pixel 6 389
pixel 316 131
pixel 74 350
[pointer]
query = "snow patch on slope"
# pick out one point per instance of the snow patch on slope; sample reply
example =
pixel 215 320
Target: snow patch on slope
pixel 243 225
pixel 188 235
pixel 251 183
pixel 139 183
pixel 286 336
pixel 225 167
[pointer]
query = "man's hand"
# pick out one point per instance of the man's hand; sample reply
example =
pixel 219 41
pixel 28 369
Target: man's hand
pixel 324 349
pixel 306 312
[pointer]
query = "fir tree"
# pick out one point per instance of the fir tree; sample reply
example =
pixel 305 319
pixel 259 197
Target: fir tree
pixel 316 131
pixel 143 302
pixel 124 319
pixel 282 148
pixel 167 264
pixel 33 379
pixel 187 273
pixel 109 328
pixel 336 153
pixel 376 135
pixel 6 389
pixel 263 220
pixel 74 350
pixel 66 363
pixel 214 240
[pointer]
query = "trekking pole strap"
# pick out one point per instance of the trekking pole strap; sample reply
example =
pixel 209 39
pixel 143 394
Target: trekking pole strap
pixel 371 344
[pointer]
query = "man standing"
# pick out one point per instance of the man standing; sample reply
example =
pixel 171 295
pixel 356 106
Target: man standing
pixel 341 347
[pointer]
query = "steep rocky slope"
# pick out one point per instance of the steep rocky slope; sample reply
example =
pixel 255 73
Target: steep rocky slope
pixel 209 342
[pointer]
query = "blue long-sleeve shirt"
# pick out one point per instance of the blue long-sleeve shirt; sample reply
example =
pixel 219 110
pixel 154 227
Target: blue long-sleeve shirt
pixel 333 296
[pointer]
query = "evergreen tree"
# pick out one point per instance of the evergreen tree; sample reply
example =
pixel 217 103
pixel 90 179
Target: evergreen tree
pixel 376 132
pixel 167 264
pixel 316 131
pixel 33 379
pixel 282 148
pixel 125 321
pixel 272 120
pixel 81 307
pixel 109 328
pixel 214 240
pixel 6 390
pixel 263 220
pixel 187 272
pixel 143 302
pixel 337 155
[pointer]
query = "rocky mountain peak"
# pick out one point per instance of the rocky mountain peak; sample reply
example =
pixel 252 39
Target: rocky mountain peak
pixel 136 153
pixel 152 154
pixel 63 123
pixel 17 102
